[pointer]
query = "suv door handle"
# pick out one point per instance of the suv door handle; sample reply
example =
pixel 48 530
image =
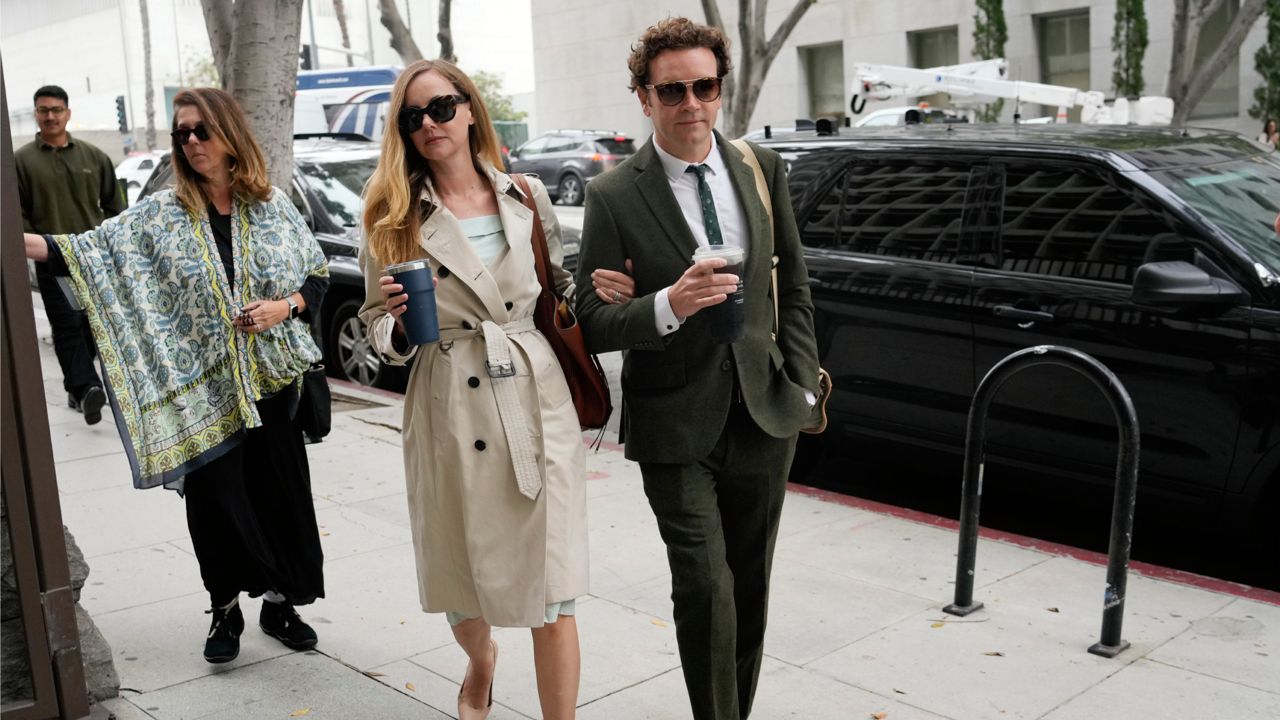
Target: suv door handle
pixel 1025 317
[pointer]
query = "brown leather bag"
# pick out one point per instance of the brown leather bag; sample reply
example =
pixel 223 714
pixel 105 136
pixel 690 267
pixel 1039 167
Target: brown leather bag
pixel 556 319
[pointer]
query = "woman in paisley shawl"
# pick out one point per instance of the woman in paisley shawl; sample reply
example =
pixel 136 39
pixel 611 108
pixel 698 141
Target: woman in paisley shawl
pixel 198 298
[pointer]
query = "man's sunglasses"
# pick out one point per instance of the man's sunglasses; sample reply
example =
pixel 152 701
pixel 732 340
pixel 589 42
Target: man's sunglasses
pixel 183 135
pixel 672 93
pixel 441 109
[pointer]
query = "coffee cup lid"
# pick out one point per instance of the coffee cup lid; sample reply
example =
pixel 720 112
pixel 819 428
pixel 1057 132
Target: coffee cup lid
pixel 407 266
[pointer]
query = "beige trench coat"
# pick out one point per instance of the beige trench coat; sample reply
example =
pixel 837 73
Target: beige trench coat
pixel 482 547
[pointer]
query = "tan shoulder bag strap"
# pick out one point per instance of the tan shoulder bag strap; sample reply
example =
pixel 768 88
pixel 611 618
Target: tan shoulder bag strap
pixel 762 189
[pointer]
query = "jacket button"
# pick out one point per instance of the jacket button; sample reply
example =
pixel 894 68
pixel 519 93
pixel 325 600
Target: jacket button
pixel 725 366
pixel 508 304
pixel 473 382
pixel 466 325
pixel 480 445
pixel 442 273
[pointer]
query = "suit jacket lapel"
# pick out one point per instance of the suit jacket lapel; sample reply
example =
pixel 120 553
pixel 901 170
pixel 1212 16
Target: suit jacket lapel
pixel 759 241
pixel 654 187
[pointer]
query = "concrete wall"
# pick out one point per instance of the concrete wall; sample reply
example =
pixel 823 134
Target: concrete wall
pixel 580 51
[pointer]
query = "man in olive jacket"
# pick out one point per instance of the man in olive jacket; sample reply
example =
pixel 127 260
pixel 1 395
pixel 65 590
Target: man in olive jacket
pixel 713 426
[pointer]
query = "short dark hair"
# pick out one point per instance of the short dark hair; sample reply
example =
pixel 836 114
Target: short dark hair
pixel 52 91
pixel 676 33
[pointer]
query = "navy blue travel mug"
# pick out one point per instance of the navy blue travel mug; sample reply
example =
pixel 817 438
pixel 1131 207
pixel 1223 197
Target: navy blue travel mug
pixel 421 325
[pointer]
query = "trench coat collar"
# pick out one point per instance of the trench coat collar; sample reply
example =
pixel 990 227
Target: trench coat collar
pixel 444 240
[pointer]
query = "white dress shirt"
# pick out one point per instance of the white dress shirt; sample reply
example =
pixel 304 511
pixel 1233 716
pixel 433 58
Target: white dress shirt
pixel 729 213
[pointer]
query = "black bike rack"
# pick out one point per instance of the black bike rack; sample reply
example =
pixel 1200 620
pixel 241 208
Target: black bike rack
pixel 1111 643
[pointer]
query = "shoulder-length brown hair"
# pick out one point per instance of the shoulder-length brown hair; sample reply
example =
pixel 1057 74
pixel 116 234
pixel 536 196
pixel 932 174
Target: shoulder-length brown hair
pixel 224 119
pixel 391 208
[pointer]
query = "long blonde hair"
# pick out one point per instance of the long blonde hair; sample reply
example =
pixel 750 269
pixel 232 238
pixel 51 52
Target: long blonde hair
pixel 223 118
pixel 391 212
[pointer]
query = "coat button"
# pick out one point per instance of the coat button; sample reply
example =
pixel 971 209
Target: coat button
pixel 442 273
pixel 466 325
pixel 725 366
pixel 480 445
pixel 473 382
pixel 508 304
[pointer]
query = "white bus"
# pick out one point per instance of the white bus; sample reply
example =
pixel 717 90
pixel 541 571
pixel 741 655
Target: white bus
pixel 347 100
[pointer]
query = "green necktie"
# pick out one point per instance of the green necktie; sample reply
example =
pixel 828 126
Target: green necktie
pixel 709 219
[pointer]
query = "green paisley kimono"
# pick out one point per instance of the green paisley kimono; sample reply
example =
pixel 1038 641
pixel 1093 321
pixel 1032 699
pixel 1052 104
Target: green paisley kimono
pixel 182 379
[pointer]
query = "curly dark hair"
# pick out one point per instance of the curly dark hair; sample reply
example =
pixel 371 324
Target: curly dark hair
pixel 676 33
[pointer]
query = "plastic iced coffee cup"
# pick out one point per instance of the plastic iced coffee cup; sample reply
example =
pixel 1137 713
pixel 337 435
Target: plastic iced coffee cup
pixel 728 319
pixel 421 326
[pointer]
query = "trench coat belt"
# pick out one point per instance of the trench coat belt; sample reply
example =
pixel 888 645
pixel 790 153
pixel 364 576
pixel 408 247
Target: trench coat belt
pixel 502 372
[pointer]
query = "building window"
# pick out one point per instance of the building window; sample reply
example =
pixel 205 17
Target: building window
pixel 1223 97
pixel 1064 54
pixel 935 48
pixel 824 73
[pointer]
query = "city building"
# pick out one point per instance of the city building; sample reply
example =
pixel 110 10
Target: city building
pixel 580 51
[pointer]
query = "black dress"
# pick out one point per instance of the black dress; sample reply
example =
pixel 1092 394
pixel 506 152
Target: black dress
pixel 250 512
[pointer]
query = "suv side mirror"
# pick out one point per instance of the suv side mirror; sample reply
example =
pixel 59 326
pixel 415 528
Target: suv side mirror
pixel 1179 283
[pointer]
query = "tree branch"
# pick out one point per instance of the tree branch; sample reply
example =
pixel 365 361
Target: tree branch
pixel 445 35
pixel 788 24
pixel 401 40
pixel 1229 50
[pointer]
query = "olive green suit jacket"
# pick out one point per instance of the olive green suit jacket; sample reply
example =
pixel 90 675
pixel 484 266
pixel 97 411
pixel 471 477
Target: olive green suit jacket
pixel 677 389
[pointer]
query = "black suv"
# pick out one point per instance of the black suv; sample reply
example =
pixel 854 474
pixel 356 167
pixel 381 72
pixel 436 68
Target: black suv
pixel 935 251
pixel 567 160
pixel 329 176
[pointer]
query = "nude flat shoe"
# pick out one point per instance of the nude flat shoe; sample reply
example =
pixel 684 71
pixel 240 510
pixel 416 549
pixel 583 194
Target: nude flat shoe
pixel 465 711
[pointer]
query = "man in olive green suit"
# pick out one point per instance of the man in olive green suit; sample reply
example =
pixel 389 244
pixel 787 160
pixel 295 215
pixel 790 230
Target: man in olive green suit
pixel 713 426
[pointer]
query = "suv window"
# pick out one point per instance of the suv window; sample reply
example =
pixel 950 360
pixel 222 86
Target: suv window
pixel 1070 222
pixel 616 146
pixel 338 184
pixel 562 144
pixel 902 208
pixel 533 147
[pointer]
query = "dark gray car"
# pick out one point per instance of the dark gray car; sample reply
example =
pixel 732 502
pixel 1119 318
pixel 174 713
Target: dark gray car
pixel 567 160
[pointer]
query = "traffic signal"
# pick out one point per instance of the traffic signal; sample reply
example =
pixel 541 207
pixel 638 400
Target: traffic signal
pixel 122 119
pixel 306 57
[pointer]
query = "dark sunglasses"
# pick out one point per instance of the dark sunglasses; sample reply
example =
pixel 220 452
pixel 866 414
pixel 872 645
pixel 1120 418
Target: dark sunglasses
pixel 441 109
pixel 183 135
pixel 672 93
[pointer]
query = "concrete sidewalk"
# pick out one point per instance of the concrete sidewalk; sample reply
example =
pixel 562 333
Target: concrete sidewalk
pixel 856 628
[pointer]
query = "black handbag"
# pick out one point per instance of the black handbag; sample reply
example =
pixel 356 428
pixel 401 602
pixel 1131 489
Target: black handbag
pixel 315 411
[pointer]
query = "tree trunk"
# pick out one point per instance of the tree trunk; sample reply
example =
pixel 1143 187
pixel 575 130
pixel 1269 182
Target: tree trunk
pixel 401 39
pixel 260 70
pixel 219 24
pixel 341 11
pixel 146 66
pixel 1195 79
pixel 758 51
pixel 445 34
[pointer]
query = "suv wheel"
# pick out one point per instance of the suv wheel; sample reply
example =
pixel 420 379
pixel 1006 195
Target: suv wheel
pixel 353 358
pixel 570 191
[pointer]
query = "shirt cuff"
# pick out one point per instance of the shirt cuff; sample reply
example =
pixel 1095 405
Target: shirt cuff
pixel 664 317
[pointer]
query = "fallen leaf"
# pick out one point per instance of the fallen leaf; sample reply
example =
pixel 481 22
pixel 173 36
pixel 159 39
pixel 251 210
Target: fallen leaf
pixel 300 713
pixel 1053 609
pixel 411 687
pixel 374 673
pixel 324 534
pixel 659 623
pixel 879 715
pixel 937 625
pixel 994 653
pixel 900 692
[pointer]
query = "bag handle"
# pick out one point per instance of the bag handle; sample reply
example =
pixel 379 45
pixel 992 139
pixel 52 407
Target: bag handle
pixel 541 255
pixel 762 189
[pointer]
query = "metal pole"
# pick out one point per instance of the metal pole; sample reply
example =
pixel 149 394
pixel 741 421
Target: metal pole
pixel 368 26
pixel 124 54
pixel 177 46
pixel 1122 510
pixel 313 51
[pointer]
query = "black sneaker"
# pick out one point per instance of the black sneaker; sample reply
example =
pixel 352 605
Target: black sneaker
pixel 223 643
pixel 91 404
pixel 281 621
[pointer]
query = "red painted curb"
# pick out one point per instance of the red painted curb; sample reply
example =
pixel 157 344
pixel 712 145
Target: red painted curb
pixel 1157 572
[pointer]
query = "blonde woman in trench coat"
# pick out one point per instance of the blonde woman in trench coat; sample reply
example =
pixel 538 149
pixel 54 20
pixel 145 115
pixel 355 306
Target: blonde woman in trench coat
pixel 494 463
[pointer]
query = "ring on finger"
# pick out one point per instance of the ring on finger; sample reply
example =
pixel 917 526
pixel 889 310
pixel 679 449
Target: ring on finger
pixel 617 296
